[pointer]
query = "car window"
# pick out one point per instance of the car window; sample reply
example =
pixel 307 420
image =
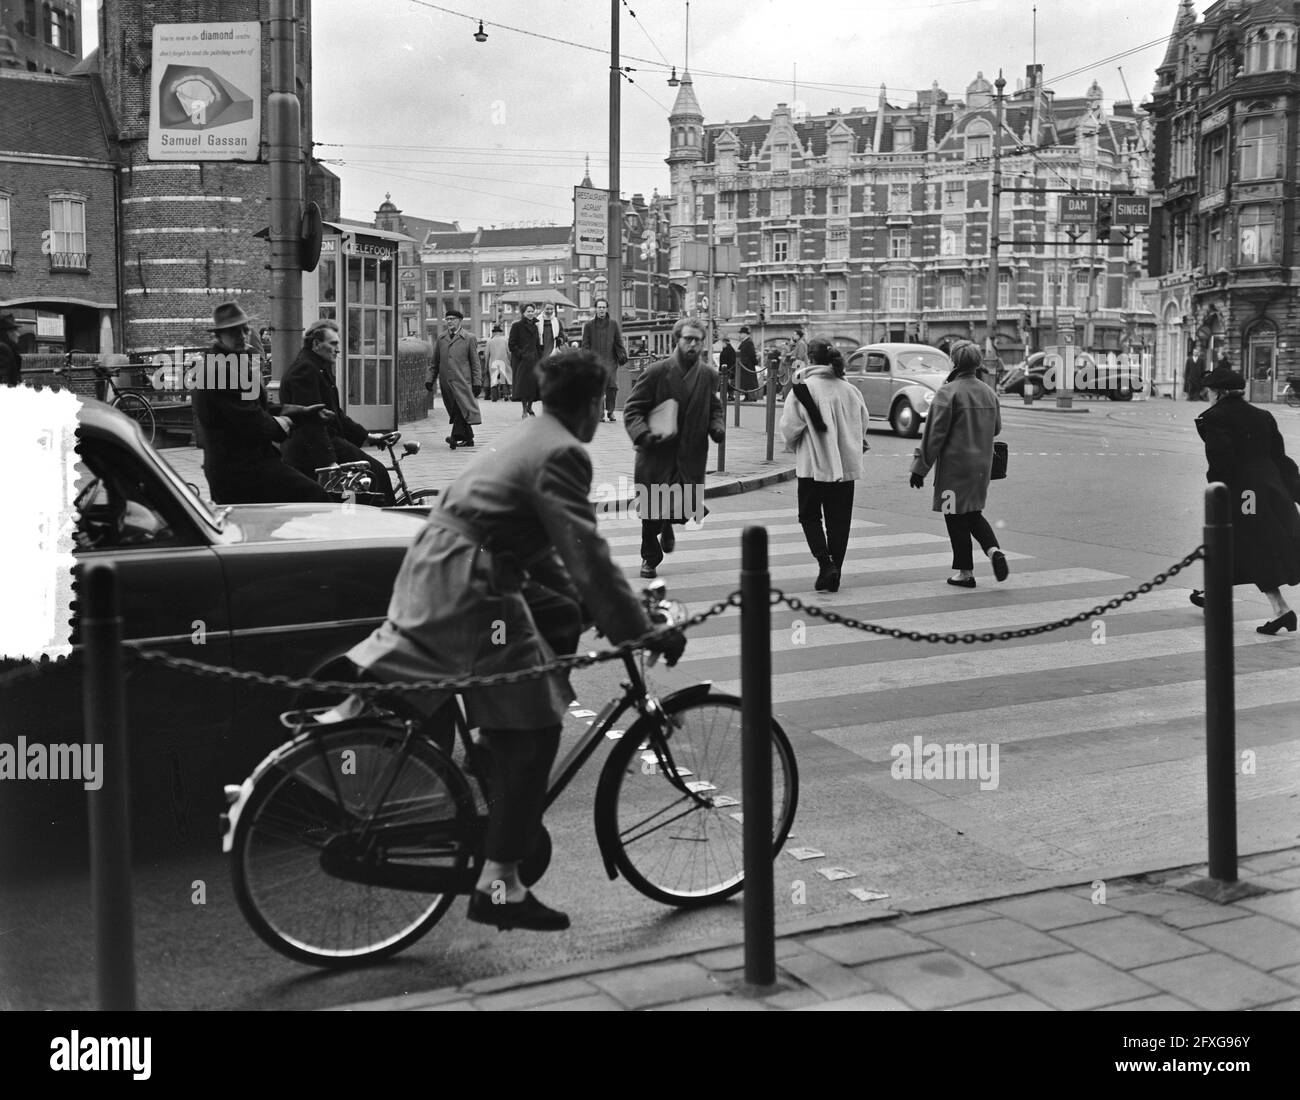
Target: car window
pixel 877 363
pixel 117 506
pixel 925 360
pixel 855 365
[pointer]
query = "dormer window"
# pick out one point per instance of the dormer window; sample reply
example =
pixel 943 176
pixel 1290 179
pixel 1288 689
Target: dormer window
pixel 781 158
pixel 979 143
pixel 1270 49
pixel 726 159
pixel 839 154
pixel 903 141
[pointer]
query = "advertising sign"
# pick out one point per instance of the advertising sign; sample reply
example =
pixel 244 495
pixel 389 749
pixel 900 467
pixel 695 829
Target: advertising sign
pixel 205 94
pixel 590 221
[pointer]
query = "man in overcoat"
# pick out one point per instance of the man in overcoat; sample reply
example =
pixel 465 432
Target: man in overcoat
pixel 603 337
pixel 670 468
pixel 11 363
pixel 525 352
pixel 727 367
pixel 747 357
pixel 456 364
pixel 502 578
pixel 310 381
pixel 240 431
pixel 1194 374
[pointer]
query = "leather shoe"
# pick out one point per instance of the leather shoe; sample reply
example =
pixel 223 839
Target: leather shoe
pixel 1197 597
pixel 1287 621
pixel 1000 569
pixel 668 538
pixel 450 442
pixel 969 582
pixel 833 579
pixel 648 571
pixel 529 913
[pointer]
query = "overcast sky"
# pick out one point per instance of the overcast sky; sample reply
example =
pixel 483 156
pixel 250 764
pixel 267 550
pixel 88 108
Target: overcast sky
pixel 495 133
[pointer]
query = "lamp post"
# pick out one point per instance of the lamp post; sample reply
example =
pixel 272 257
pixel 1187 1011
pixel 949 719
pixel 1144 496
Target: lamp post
pixel 991 360
pixel 614 249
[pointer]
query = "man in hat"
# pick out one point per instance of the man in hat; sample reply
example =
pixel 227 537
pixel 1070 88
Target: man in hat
pixel 727 367
pixel 240 430
pixel 747 357
pixel 456 363
pixel 11 363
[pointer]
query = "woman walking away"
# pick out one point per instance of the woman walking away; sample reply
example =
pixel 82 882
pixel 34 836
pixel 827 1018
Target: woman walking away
pixel 958 442
pixel 825 422
pixel 1244 450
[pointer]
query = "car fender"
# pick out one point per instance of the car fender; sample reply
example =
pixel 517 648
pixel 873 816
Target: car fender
pixel 640 729
pixel 916 395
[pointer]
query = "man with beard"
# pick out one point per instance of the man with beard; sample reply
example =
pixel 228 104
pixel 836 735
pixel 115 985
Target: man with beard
pixel 456 362
pixel 671 458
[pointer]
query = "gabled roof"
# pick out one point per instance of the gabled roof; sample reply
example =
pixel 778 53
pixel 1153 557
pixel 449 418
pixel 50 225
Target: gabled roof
pixel 449 242
pixel 55 116
pixel 420 228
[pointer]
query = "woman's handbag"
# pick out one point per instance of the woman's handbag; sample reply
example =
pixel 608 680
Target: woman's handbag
pixel 999 461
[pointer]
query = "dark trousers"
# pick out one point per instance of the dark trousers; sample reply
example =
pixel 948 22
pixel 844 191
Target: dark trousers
pixel 519 768
pixel 961 529
pixel 611 398
pixel 345 451
pixel 268 481
pixel 651 551
pixel 834 501
pixel 461 431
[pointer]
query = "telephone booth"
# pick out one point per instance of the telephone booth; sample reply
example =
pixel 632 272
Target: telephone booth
pixel 355 284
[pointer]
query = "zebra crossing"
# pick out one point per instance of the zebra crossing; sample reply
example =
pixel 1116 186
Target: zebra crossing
pixel 1127 689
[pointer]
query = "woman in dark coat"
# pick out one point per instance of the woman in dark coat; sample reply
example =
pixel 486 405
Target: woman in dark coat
pixel 958 442
pixel 525 353
pixel 1244 450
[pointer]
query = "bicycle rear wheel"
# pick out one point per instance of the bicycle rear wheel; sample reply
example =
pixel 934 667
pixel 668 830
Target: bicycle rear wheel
pixel 139 410
pixel 311 805
pixel 420 496
pixel 672 846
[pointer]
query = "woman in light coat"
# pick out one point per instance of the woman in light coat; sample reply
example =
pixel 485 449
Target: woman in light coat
pixel 958 442
pixel 825 422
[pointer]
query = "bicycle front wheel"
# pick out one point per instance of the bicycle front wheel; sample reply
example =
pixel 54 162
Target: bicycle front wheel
pixel 421 496
pixel 685 847
pixel 139 410
pixel 321 801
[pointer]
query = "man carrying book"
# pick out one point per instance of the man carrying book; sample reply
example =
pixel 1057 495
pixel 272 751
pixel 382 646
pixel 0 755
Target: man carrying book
pixel 670 416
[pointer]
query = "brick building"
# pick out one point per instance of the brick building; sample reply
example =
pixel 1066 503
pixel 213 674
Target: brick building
pixel 873 225
pixel 58 210
pixel 40 36
pixel 1225 264
pixel 188 230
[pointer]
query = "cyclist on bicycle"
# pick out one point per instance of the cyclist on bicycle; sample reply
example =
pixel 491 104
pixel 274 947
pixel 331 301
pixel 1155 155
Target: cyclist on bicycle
pixel 505 576
pixel 336 437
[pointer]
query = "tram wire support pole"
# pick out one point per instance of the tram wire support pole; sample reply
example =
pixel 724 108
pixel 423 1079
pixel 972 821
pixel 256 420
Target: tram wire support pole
pixel 284 148
pixel 104 717
pixel 710 330
pixel 991 361
pixel 756 757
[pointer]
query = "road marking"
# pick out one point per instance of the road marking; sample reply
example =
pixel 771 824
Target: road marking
pixel 782 549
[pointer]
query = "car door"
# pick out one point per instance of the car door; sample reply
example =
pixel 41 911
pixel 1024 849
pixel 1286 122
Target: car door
pixel 879 390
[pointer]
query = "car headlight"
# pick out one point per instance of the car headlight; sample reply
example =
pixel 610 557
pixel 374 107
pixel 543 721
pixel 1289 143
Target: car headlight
pixel 929 396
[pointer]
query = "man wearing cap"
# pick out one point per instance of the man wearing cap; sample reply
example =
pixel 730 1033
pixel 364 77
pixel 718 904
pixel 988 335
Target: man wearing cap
pixel 747 357
pixel 456 363
pixel 239 431
pixel 11 363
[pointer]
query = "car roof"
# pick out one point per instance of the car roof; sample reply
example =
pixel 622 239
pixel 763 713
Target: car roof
pixel 900 347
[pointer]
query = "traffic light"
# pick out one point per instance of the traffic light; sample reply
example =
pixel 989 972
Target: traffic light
pixel 762 314
pixel 1105 216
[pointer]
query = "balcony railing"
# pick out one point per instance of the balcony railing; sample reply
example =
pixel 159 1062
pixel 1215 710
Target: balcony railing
pixel 69 261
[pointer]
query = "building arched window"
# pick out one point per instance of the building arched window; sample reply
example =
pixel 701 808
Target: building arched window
pixel 979 142
pixel 1283 49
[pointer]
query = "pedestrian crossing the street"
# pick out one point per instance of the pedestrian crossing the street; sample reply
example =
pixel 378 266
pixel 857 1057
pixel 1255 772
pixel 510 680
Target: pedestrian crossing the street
pixel 1128 687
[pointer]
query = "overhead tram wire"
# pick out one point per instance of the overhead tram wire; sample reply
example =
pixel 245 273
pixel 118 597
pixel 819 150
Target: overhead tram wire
pixel 568 207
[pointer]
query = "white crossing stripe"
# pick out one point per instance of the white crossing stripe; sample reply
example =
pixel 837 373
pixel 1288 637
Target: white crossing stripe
pixel 1076 714
pixel 713 531
pixel 961 664
pixel 732 553
pixel 975 620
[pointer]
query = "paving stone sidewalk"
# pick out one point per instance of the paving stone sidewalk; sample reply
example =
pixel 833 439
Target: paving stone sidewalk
pixel 1149 945
pixel 612 453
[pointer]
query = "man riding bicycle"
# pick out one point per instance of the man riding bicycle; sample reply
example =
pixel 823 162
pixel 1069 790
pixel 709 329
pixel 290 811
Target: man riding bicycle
pixel 505 576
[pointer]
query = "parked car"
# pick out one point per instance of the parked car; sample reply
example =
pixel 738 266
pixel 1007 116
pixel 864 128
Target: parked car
pixel 898 382
pixel 279 588
pixel 1090 377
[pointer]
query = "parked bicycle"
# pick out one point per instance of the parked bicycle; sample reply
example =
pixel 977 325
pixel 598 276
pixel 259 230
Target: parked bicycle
pixel 1292 391
pixel 349 842
pixel 353 481
pixel 133 404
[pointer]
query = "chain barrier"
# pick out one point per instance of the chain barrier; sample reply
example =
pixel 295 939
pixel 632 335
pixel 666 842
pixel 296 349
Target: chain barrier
pixel 796 604
pixel 586 660
pixel 515 676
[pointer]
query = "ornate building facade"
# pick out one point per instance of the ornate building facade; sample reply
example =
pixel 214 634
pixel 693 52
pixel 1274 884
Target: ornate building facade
pixel 873 225
pixel 1225 266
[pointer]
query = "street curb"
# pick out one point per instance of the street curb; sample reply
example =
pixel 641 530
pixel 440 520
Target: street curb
pixel 735 486
pixel 808 926
pixel 1047 409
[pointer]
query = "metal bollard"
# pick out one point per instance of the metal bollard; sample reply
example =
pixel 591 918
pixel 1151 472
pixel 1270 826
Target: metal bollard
pixel 1220 702
pixel 722 447
pixel 756 756
pixel 771 411
pixel 104 712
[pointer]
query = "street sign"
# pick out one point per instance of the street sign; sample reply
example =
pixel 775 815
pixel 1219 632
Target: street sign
pixel 590 221
pixel 1077 210
pixel 1132 210
pixel 704 303
pixel 205 91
